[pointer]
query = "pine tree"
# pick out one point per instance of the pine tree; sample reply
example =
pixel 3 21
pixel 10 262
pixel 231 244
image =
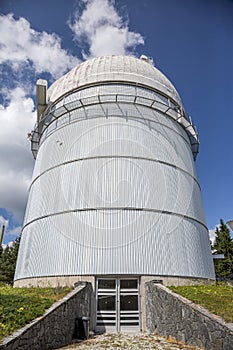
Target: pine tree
pixel 8 259
pixel 223 244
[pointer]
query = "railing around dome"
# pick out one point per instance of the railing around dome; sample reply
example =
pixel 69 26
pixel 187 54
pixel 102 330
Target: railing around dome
pixel 97 96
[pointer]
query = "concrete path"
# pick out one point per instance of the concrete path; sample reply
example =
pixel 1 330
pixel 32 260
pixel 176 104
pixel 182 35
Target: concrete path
pixel 116 341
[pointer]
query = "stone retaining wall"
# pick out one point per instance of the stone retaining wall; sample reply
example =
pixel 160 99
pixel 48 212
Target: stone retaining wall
pixel 169 314
pixel 56 327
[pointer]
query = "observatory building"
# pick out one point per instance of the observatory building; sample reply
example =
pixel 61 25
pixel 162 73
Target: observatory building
pixel 114 198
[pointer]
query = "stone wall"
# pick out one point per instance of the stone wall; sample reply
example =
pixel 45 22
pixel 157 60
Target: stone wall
pixel 166 281
pixel 56 327
pixel 169 314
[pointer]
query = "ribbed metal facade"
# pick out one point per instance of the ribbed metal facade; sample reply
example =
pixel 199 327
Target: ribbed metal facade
pixel 114 189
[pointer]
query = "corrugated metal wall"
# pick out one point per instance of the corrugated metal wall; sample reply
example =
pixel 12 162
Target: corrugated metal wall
pixel 115 191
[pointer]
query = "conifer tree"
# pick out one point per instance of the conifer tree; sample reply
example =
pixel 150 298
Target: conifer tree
pixel 223 244
pixel 8 257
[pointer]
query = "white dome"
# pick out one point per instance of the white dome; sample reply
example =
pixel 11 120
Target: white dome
pixel 112 69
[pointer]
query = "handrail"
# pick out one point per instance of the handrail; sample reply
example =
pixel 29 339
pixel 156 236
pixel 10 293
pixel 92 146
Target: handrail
pixel 172 110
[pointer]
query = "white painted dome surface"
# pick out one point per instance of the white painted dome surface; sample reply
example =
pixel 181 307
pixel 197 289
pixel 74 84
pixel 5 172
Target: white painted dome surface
pixel 112 69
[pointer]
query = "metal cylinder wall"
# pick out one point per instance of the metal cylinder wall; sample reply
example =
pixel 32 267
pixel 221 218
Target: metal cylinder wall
pixel 114 192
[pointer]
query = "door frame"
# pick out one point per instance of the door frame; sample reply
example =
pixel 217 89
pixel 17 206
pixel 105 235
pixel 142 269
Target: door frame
pixel 118 327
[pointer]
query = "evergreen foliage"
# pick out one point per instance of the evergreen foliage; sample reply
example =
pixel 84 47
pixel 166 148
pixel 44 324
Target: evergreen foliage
pixel 223 244
pixel 8 257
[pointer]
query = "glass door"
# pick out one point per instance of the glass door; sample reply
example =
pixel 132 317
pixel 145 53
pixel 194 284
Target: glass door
pixel 106 305
pixel 117 305
pixel 129 304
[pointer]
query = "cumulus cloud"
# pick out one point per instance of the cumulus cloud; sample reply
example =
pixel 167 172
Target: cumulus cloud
pixel 3 221
pixel 212 234
pixel 103 29
pixel 15 231
pixel 9 244
pixel 24 50
pixel 10 234
pixel 26 53
pixel 17 118
pixel 20 44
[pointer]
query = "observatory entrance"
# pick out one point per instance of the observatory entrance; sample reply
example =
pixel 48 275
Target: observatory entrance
pixel 117 304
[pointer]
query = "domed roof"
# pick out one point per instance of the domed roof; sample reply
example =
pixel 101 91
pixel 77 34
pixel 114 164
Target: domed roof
pixel 127 69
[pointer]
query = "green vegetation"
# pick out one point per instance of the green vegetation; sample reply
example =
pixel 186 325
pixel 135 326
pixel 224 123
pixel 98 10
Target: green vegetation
pixel 19 306
pixel 217 298
pixel 223 244
pixel 8 258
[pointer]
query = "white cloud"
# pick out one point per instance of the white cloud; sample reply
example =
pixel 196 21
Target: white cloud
pixel 103 29
pixel 16 160
pixel 20 44
pixel 9 244
pixel 11 234
pixel 29 53
pixel 26 51
pixel 212 233
pixel 15 231
pixel 3 221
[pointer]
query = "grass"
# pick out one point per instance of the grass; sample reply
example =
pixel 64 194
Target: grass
pixel 217 298
pixel 19 306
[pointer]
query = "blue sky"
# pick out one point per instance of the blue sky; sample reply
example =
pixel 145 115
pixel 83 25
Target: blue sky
pixel 191 41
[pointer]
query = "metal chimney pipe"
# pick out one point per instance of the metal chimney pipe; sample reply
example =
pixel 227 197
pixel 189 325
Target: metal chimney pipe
pixel 2 234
